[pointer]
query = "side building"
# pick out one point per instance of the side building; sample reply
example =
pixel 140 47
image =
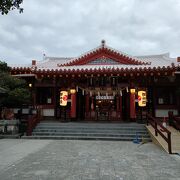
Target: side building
pixel 103 84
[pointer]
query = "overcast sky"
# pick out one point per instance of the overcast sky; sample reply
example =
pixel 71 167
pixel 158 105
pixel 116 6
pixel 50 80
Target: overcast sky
pixel 69 28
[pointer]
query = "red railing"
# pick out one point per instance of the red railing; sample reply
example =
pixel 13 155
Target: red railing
pixel 159 129
pixel 32 121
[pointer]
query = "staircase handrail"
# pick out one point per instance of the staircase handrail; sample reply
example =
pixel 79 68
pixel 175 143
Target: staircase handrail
pixel 33 120
pixel 155 123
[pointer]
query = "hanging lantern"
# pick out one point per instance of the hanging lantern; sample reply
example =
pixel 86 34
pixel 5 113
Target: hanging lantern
pixel 30 85
pixel 72 91
pixel 142 99
pixel 63 98
pixel 132 91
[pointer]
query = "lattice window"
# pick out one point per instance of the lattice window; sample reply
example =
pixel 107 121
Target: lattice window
pixel 103 61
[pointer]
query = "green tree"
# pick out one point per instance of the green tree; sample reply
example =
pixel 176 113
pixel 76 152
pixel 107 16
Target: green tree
pixel 17 92
pixel 8 5
pixel 4 67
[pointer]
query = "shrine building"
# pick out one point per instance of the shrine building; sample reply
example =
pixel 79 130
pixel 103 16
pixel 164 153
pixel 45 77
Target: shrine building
pixel 103 84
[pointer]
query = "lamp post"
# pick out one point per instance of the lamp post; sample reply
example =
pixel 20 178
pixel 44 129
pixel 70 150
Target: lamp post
pixel 30 88
pixel 30 85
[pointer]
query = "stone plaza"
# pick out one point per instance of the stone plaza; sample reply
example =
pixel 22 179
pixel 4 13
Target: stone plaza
pixel 85 160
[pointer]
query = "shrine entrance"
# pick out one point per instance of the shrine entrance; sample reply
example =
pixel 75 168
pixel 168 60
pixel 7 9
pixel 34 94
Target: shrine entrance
pixel 104 108
pixel 98 104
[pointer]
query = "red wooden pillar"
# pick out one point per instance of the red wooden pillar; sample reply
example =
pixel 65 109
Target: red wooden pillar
pixel 132 105
pixel 73 105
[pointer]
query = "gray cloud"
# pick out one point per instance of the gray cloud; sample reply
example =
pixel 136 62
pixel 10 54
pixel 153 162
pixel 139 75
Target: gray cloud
pixel 70 28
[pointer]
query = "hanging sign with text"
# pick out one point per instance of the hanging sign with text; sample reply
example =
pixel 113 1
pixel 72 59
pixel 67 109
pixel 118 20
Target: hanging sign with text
pixel 104 97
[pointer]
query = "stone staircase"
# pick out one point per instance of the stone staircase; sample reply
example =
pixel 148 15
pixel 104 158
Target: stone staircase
pixel 90 131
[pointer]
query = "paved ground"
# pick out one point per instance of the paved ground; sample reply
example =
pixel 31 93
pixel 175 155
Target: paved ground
pixel 85 160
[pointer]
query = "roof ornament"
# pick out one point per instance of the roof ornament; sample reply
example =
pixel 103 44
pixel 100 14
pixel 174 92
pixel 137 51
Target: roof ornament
pixel 103 43
pixel 172 64
pixel 44 56
pixel 33 65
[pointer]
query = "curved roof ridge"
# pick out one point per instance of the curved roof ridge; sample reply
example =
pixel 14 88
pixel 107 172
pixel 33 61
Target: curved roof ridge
pixel 125 54
pixel 42 61
pixel 109 47
pixel 57 58
pixel 100 47
pixel 87 52
pixel 47 59
pixel 19 65
pixel 154 55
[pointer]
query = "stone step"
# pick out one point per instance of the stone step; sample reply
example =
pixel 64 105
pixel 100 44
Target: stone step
pixel 86 138
pixel 89 134
pixel 10 136
pixel 89 131
pixel 92 124
pixel 85 127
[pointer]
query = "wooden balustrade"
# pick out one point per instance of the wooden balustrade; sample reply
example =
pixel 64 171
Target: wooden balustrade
pixel 159 129
pixel 32 121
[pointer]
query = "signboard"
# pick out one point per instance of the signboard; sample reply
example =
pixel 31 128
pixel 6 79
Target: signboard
pixel 104 97
pixel 63 98
pixel 142 98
